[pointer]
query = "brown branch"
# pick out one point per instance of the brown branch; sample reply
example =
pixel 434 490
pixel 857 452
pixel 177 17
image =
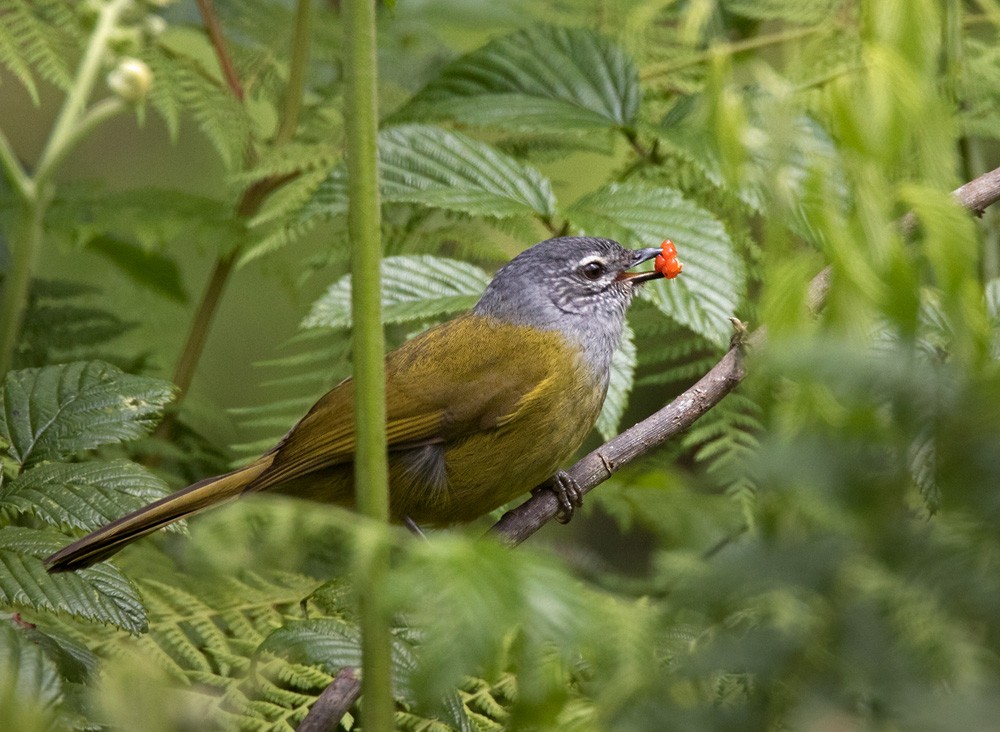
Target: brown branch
pixel 249 204
pixel 519 523
pixel 331 706
pixel 211 21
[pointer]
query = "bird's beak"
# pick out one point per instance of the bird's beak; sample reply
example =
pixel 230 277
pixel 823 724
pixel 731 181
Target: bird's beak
pixel 642 255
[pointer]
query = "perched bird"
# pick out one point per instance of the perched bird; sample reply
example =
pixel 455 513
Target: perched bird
pixel 479 409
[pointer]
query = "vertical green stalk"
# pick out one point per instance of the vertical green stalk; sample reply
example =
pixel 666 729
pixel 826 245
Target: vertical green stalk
pixel 86 75
pixel 371 474
pixel 951 48
pixel 25 246
pixel 35 192
pixel 296 72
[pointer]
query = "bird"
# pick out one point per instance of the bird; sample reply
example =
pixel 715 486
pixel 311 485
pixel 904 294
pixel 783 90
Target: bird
pixel 480 409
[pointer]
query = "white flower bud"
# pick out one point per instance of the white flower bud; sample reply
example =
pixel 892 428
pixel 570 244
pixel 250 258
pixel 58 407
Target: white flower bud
pixel 155 25
pixel 131 79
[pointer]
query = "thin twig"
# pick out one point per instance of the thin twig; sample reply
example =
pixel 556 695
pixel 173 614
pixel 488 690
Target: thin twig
pixel 211 21
pixel 331 706
pixel 519 523
pixel 249 204
pixel 730 49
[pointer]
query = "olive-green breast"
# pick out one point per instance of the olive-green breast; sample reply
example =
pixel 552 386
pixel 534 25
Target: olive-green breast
pixel 516 402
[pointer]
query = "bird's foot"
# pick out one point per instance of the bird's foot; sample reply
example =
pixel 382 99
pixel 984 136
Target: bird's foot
pixel 567 492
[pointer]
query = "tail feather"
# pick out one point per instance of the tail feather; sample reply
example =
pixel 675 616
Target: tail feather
pixel 113 537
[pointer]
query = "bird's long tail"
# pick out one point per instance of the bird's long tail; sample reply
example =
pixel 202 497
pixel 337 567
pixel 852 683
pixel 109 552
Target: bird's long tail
pixel 113 537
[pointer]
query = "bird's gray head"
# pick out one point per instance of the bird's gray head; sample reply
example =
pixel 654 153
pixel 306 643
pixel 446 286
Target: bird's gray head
pixel 577 285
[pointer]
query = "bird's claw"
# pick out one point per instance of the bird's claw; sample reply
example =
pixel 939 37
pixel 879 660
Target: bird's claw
pixel 567 492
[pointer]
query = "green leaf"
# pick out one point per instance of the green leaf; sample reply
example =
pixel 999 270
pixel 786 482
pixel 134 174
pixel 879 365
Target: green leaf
pixel 75 661
pixel 443 169
pixel 792 166
pixel 100 593
pixel 61 325
pixel 622 375
pixel 794 11
pixel 182 65
pixel 980 88
pixel 434 167
pixel 702 298
pixel 81 495
pixel 414 287
pixel 153 217
pixel 151 270
pixel 333 644
pixel 39 38
pixel 993 299
pixel 54 411
pixel 26 672
pixel 922 459
pixel 540 79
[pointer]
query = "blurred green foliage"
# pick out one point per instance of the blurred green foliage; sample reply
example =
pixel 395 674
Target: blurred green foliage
pixel 818 552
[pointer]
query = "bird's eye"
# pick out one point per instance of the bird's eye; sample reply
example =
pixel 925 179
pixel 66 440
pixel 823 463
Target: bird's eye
pixel 592 270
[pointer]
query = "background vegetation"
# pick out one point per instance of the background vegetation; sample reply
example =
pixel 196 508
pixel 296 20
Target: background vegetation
pixel 818 551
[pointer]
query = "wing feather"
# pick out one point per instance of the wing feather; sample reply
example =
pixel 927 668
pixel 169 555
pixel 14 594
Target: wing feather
pixel 441 386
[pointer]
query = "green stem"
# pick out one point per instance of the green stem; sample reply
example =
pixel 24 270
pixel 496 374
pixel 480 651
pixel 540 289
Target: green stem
pixel 70 126
pixel 296 72
pixel 250 203
pixel 730 49
pixel 23 185
pixel 63 133
pixel 198 334
pixel 952 49
pixel 204 314
pixel 194 345
pixel 25 246
pixel 828 77
pixel 96 115
pixel 370 470
pixel 550 224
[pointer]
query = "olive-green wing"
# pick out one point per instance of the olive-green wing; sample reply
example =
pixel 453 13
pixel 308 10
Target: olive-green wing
pixel 449 382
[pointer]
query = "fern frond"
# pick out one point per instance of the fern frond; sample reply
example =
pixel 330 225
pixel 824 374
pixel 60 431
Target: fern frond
pixel 289 159
pixel 282 206
pixel 41 37
pixel 670 353
pixel 791 11
pixel 981 88
pixel 314 360
pixel 183 86
pixel 61 325
pixel 722 440
pixel 486 701
pixel 419 230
